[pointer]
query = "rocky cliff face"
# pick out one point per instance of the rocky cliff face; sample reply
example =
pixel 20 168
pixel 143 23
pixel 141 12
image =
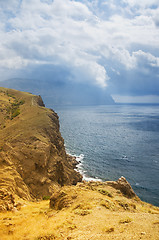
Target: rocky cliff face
pixel 33 160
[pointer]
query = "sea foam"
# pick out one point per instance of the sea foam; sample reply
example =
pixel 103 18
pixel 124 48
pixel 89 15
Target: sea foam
pixel 81 170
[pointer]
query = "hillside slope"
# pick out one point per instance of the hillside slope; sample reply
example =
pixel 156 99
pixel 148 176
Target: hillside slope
pixel 33 161
pixel 87 211
pixel 34 165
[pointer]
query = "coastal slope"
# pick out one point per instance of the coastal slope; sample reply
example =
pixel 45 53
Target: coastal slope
pixel 87 211
pixel 42 192
pixel 33 160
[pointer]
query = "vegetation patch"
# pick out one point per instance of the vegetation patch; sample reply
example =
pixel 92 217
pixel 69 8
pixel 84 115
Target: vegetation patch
pixel 82 209
pixel 1 149
pixel 106 204
pixel 72 227
pixel 105 192
pixel 10 95
pixel 123 205
pixel 13 110
pixel 126 220
pixel 46 197
pixel 83 206
pixel 15 113
pixel 82 212
pixel 47 237
pixel 108 229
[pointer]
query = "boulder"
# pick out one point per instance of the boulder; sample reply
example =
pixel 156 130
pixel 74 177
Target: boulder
pixel 62 198
pixel 124 186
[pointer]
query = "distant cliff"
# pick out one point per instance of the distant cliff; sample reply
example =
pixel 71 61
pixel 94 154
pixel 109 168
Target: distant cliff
pixel 59 92
pixel 33 160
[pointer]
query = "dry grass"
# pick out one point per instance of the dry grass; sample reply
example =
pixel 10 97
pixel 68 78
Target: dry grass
pixel 85 218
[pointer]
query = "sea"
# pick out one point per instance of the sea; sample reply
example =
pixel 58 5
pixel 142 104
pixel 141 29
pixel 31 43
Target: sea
pixel 111 141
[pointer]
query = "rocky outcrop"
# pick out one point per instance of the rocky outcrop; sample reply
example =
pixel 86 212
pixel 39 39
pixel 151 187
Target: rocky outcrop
pixel 62 199
pixel 67 195
pixel 7 201
pixel 124 186
pixel 33 160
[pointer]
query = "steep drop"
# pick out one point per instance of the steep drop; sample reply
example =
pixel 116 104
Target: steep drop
pixel 33 160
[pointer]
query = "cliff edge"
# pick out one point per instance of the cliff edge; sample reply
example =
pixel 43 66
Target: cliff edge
pixel 33 160
pixel 34 165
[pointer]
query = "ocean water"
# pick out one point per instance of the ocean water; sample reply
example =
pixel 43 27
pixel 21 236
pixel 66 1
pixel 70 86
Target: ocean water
pixel 113 141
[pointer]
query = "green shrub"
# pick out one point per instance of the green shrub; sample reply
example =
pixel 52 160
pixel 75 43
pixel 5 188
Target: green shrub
pixel 1 149
pixel 46 197
pixel 18 103
pixel 104 192
pixel 21 102
pixel 15 113
pixel 14 110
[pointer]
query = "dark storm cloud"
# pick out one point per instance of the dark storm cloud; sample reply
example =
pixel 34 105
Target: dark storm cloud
pixel 92 40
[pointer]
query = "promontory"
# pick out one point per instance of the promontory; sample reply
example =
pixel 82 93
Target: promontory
pixel 43 197
pixel 33 160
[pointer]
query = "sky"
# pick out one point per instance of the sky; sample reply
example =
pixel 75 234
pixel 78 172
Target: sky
pixel 112 44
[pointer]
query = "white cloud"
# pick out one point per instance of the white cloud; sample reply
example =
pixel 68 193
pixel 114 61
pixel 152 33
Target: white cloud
pixel 146 58
pixel 14 63
pixel 58 33
pixel 89 70
pixel 69 33
pixel 123 56
pixel 141 3
pixel 156 17
pixel 9 5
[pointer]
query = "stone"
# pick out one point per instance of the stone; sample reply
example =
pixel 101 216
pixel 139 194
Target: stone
pixel 124 186
pixel 62 198
pixel 59 200
pixel 7 200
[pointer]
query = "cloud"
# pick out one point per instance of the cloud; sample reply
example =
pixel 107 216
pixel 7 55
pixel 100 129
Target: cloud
pixel 89 71
pixel 145 59
pixel 9 5
pixel 142 3
pixel 156 17
pixel 97 41
pixel 52 33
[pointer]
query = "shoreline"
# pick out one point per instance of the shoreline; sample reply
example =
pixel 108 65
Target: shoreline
pixel 78 167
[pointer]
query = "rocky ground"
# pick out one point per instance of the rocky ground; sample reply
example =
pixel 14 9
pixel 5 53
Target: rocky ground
pixel 88 211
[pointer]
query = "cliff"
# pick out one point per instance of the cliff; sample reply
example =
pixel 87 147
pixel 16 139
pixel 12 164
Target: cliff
pixel 35 166
pixel 33 160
